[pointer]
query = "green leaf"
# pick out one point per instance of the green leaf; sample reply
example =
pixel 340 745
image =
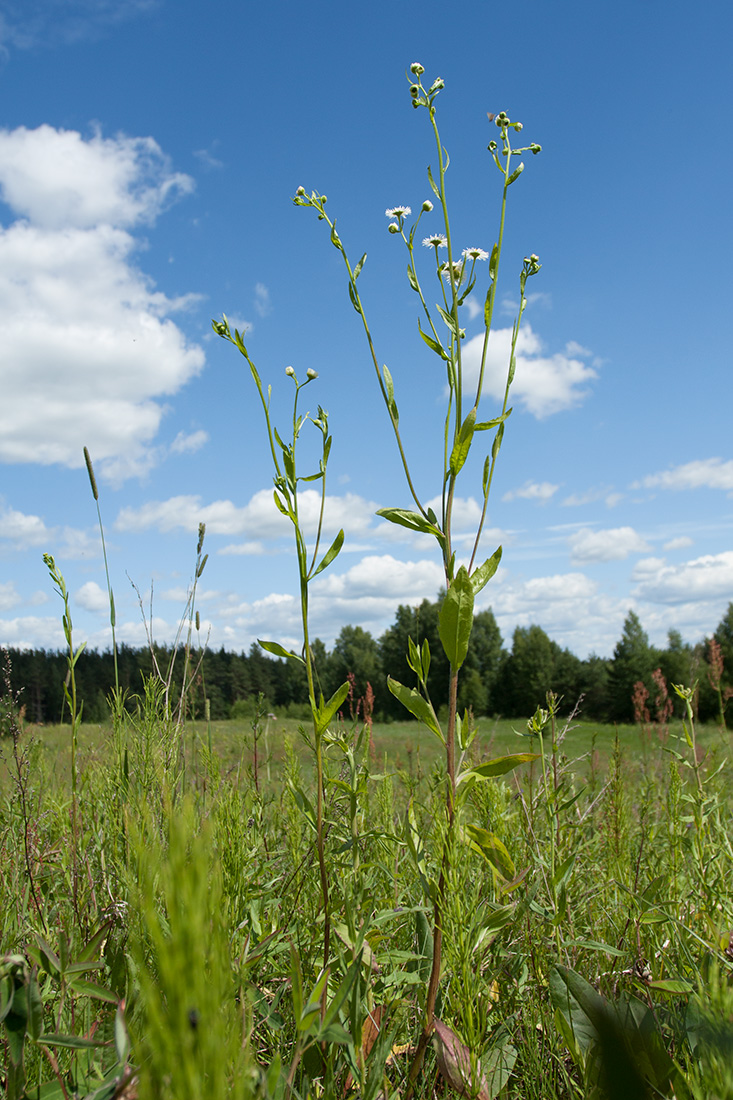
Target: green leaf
pixel 279 504
pixel 413 279
pixel 296 983
pixel 489 846
pixel 562 873
pixel 456 618
pixel 485 425
pixel 122 1039
pixel 389 386
pixel 671 985
pixel 91 989
pixel 71 1042
pixel 462 445
pixel 326 711
pixel 494 262
pixel 497 441
pixel 499 766
pixel 483 574
pixel 278 651
pixel 313 1007
pixel 330 554
pixel 35 1007
pixel 433 344
pixel 359 266
pixel 342 992
pixel 354 299
pixel 516 173
pixel 449 319
pixel 417 705
pixel 433 183
pixel 412 520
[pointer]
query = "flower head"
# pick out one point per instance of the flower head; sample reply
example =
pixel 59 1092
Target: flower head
pixel 437 240
pixel 417 69
pixel 311 374
pixel 445 270
pixel 398 212
pixel 290 372
pixel 475 254
pixel 427 206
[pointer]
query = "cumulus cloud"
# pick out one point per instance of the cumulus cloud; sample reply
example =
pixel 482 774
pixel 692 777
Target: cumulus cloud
pixel 613 544
pixel 20 531
pixel 259 519
pixel 89 346
pixel 92 598
pixel 532 490
pixel 706 578
pixel 9 596
pixel 543 384
pixel 703 473
pixel 680 543
pixel 189 442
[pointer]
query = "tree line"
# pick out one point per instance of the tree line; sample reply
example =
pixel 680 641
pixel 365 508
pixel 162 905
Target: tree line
pixel 495 680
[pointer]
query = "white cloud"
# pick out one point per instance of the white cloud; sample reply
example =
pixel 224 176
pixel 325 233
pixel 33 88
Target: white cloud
pixel 259 519
pixel 26 24
pixel 92 598
pixel 88 345
pixel 189 442
pixel 590 496
pixel 532 490
pixel 9 596
pixel 252 549
pixel 32 632
pixel 263 305
pixel 703 473
pixel 24 532
pixel 680 543
pixel 542 384
pixel 707 578
pixel 613 544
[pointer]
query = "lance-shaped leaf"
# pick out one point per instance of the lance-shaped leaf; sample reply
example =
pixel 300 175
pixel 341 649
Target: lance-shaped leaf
pixel 462 445
pixel 456 618
pixel 330 553
pixel 354 299
pixel 433 344
pixel 359 266
pixel 500 766
pixel 491 848
pixel 412 520
pixel 278 651
pixel 389 386
pixel 432 182
pixel 326 711
pixel 449 320
pixel 412 279
pixel 461 1072
pixel 417 705
pixel 484 425
pixel 485 572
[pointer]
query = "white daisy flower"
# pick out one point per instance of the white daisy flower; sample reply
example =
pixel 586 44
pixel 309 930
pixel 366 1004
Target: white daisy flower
pixel 437 240
pixel 475 254
pixel 398 212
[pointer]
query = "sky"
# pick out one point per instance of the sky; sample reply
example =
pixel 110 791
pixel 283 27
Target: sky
pixel 149 153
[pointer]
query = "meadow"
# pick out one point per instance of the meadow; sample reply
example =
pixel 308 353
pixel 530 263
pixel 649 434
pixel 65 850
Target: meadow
pixel 325 909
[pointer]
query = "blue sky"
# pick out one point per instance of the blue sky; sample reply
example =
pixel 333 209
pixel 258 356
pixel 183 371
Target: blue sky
pixel 149 151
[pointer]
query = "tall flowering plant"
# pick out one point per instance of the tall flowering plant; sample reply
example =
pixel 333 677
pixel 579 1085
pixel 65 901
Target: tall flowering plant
pixel 442 330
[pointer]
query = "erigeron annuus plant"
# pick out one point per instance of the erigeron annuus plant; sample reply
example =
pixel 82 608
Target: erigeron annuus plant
pixel 442 331
pixel 310 564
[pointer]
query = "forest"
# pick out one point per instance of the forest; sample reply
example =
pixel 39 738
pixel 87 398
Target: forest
pixel 510 682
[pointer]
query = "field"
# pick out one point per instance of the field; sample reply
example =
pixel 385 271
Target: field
pixel 163 925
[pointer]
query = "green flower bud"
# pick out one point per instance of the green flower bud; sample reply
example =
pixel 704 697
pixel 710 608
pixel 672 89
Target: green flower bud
pixel 290 372
pixel 300 191
pixel 427 206
pixel 414 90
pixel 534 148
pixel 393 227
pixel 310 373
pixel 417 69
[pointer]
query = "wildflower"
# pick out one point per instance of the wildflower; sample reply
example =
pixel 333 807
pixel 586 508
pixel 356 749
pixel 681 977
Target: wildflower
pixel 417 69
pixel 300 191
pixel 398 212
pixel 311 374
pixel 437 84
pixel 393 227
pixel 290 372
pixel 437 240
pixel 475 254
pixel 457 270
pixel 427 206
